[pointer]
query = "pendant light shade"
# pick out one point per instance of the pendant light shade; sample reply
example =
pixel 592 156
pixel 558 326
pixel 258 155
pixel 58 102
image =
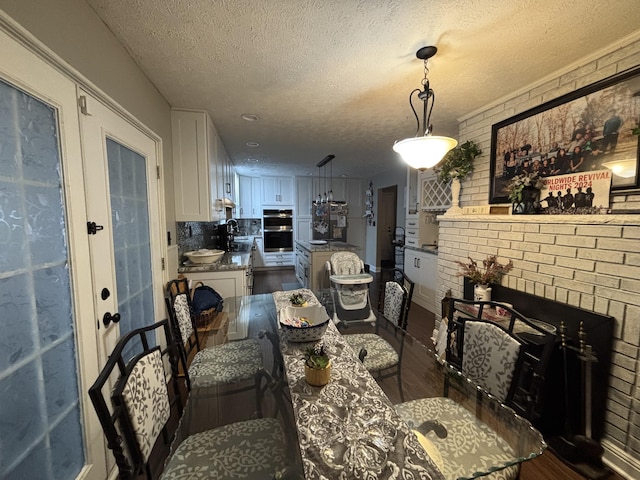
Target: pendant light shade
pixel 425 151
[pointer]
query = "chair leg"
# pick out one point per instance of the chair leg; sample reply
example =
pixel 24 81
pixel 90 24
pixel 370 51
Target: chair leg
pixel 258 380
pixel 400 384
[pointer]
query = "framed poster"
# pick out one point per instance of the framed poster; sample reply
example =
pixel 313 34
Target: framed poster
pixel 587 130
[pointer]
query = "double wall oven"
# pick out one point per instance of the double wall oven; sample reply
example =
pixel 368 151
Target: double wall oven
pixel 277 228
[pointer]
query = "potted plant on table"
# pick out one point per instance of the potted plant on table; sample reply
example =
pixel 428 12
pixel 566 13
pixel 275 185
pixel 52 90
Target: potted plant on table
pixel 456 165
pixel 317 365
pixel 482 279
pixel 298 300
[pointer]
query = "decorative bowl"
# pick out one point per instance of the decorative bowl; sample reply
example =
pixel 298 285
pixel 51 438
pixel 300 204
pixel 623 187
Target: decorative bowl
pixel 204 255
pixel 303 324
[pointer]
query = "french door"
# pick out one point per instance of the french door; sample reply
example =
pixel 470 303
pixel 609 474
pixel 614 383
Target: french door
pixel 121 184
pixel 60 172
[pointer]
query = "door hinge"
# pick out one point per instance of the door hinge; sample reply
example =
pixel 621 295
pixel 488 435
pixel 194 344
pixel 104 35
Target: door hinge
pixel 158 171
pixel 82 103
pixel 163 264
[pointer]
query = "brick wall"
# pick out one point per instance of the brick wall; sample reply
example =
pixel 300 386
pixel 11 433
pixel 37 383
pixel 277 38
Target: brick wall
pixel 591 262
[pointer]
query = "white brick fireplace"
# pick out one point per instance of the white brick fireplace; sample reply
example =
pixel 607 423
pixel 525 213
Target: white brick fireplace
pixel 587 261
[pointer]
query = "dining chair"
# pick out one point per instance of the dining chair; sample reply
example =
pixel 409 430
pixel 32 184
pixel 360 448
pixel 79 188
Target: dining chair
pixel 507 361
pixel 225 369
pixel 378 355
pixel 134 406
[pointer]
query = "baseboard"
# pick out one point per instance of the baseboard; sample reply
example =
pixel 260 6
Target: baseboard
pixel 620 461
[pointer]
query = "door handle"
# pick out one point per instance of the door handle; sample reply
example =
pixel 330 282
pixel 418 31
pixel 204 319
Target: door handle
pixel 108 318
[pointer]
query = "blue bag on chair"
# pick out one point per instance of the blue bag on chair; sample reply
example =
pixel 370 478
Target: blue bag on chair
pixel 205 298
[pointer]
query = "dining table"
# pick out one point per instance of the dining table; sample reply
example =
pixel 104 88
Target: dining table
pixel 351 428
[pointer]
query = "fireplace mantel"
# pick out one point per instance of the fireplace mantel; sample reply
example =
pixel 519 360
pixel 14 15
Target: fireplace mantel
pixel 631 219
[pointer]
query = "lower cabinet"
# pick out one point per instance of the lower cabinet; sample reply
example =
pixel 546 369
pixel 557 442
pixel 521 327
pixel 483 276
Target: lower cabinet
pixel 311 270
pixel 422 268
pixel 228 283
pixel 277 259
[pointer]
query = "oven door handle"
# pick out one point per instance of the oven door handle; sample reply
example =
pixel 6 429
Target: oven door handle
pixel 280 229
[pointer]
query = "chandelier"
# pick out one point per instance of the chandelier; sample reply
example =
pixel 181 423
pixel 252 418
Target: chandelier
pixel 424 151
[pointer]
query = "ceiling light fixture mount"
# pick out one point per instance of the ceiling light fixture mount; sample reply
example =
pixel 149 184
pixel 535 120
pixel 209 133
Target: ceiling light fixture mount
pixel 424 150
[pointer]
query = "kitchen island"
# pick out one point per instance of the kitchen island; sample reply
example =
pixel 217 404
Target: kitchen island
pixel 312 258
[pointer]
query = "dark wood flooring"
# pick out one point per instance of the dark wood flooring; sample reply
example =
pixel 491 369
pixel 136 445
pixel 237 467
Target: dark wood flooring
pixel 420 326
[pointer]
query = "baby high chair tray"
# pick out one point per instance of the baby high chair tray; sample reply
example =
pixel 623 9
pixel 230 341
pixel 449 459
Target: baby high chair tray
pixel 356 279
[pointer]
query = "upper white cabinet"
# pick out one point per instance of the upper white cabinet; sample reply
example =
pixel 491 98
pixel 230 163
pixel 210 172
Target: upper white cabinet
pixel 199 163
pixel 412 199
pixel 434 195
pixel 249 204
pixel 277 191
pixel 304 197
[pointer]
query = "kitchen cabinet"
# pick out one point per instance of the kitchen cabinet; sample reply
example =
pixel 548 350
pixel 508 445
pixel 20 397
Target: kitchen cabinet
pixel 304 196
pixel 311 270
pixel 303 229
pixel 249 198
pixel 198 166
pixel 277 191
pixel 413 188
pixel 228 283
pixel 278 259
pixel 258 260
pixel 422 268
pixel 434 195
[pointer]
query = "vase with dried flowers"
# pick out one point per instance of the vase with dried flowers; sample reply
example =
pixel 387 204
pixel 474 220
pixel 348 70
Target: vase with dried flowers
pixel 484 277
pixel 317 365
pixel 524 193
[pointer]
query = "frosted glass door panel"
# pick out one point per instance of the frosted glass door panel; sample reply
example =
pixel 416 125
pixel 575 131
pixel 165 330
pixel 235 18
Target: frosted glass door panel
pixel 40 426
pixel 132 243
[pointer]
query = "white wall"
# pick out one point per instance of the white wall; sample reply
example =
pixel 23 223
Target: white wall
pixel 588 261
pixel 396 175
pixel 72 30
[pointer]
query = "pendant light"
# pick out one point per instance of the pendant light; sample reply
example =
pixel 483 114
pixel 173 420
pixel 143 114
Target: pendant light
pixel 424 151
pixel 327 197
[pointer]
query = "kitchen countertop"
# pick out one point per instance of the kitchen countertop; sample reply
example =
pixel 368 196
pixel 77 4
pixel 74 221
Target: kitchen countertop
pixel 237 260
pixel 433 249
pixel 328 247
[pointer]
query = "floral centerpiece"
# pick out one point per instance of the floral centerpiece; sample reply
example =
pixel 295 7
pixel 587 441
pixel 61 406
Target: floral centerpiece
pixel 524 192
pixel 492 272
pixel 317 365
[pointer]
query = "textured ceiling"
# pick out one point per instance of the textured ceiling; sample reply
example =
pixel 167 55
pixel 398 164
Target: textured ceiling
pixel 334 76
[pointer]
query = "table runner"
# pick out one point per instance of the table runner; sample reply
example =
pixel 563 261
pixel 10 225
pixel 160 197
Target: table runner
pixel 348 429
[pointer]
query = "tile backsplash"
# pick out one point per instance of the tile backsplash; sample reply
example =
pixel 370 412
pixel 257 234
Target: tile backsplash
pixel 196 235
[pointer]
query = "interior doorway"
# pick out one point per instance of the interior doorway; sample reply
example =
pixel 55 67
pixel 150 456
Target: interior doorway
pixel 387 208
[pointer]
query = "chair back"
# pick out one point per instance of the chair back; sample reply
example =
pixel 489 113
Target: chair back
pixel 395 297
pixel 346 263
pixel 178 300
pixel 138 406
pixel 489 357
pixel 510 360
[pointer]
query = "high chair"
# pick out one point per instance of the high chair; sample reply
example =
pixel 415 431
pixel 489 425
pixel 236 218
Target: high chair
pixel 350 288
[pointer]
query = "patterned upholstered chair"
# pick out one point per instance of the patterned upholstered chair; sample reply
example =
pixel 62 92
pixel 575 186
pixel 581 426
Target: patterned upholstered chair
pixel 509 365
pixel 377 354
pixel 224 369
pixel 139 410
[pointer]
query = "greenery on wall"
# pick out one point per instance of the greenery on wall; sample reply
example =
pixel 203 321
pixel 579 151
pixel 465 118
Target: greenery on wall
pixel 458 162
